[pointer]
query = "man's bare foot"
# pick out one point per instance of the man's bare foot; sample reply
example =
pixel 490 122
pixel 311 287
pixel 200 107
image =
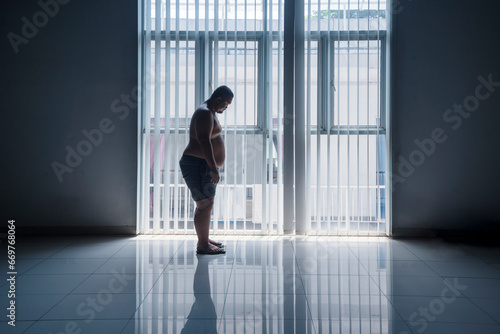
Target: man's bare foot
pixel 209 248
pixel 216 243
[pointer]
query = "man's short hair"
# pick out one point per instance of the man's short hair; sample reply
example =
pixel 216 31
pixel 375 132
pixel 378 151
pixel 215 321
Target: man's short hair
pixel 222 91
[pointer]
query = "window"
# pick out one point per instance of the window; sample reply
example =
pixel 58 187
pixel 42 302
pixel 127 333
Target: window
pixel 190 48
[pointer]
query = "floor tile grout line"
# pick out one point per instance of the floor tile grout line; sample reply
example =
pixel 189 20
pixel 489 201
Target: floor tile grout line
pixel 408 321
pixel 51 258
pixel 152 286
pixel 95 271
pixel 424 262
pixel 159 276
pixel 301 276
pixel 460 247
pixel 296 264
pixel 44 259
pixel 66 295
pixel 483 310
pixel 228 283
pixel 34 322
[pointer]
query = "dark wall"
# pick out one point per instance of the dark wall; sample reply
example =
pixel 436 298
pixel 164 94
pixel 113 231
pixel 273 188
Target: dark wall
pixel 57 80
pixel 65 77
pixel 440 50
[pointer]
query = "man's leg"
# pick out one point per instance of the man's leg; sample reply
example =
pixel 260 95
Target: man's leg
pixel 202 224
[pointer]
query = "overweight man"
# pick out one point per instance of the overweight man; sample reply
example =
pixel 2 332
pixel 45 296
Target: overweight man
pixel 200 163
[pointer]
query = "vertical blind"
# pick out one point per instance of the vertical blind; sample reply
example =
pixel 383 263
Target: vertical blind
pixel 191 47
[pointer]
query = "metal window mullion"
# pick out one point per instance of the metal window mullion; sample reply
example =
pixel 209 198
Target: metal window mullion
pixel 206 55
pixel 157 110
pixel 325 109
pixel 235 157
pixel 257 73
pixel 379 205
pixel 280 129
pixel 203 68
pixel 207 16
pixel 199 52
pixel 196 16
pixel 244 137
pixel 267 15
pixel 339 199
pixel 198 85
pixel 288 99
pixel 331 123
pixel 383 103
pixel 265 133
pixel 369 197
pixel 216 46
pixel 329 93
pixel 147 122
pixel 256 117
pixel 348 202
pixel 308 123
pixel 140 112
pixel 327 115
pixel 357 141
pixel 215 82
pixel 226 207
pixel 140 109
pixel 176 130
pixel 273 193
pixel 387 136
pixel 300 186
pixel 166 179
pixel 321 109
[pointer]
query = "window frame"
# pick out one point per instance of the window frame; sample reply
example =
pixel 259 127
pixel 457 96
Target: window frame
pixel 326 49
pixel 326 86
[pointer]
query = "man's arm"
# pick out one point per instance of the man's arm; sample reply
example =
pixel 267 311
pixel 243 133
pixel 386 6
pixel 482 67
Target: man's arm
pixel 204 126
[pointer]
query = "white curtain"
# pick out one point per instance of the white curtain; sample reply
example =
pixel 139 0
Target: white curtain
pixel 191 47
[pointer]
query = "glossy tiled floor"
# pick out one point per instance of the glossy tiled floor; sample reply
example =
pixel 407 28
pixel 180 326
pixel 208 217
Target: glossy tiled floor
pixel 154 284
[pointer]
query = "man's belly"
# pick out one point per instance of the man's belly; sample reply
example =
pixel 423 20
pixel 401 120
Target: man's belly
pixel 219 151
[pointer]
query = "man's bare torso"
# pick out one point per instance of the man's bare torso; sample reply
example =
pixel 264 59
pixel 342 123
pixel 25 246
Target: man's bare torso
pixel 194 149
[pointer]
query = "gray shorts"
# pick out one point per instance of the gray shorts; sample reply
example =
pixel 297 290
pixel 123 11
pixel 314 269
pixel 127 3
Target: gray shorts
pixel 196 173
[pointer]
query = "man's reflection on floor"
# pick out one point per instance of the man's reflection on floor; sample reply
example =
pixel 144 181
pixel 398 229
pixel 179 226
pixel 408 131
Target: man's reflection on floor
pixel 202 318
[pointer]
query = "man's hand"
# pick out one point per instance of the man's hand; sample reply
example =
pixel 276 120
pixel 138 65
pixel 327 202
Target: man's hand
pixel 214 172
